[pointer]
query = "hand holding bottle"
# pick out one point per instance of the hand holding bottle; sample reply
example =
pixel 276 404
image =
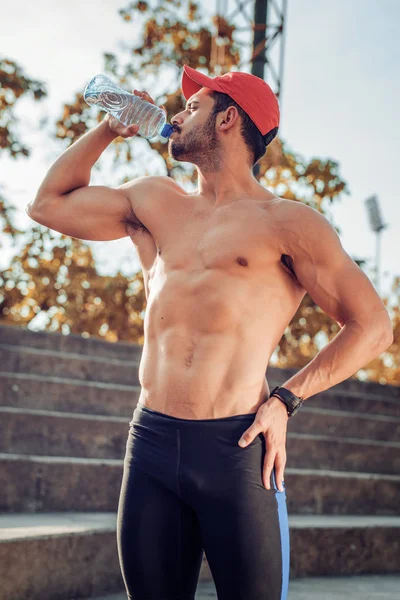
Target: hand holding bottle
pixel 136 113
pixel 117 127
pixel 121 130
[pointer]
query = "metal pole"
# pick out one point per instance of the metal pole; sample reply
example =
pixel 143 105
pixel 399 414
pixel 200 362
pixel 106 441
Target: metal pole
pixel 259 57
pixel 378 253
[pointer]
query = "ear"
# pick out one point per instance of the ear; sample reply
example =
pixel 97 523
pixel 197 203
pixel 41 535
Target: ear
pixel 228 118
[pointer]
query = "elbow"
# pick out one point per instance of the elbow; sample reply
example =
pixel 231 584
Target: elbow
pixel 381 330
pixel 387 330
pixel 29 209
pixel 377 335
pixel 389 338
pixel 36 209
pixel 32 213
pixel 384 338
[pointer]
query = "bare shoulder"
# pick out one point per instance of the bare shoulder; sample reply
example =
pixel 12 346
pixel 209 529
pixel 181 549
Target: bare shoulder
pixel 147 196
pixel 304 225
pixel 296 208
pixel 149 184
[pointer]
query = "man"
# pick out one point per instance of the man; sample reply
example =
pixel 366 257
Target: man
pixel 225 269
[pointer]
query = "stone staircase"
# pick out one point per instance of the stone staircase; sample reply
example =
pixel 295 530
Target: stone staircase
pixel 65 407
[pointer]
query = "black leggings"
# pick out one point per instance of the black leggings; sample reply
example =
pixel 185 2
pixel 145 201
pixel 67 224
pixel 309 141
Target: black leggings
pixel 188 486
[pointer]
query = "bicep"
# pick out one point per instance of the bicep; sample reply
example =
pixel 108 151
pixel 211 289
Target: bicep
pixel 328 274
pixel 94 212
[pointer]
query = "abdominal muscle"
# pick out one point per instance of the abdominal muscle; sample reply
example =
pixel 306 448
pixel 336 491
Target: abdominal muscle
pixel 208 338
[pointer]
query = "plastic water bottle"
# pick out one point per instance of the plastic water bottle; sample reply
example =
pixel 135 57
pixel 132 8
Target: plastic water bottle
pixel 128 108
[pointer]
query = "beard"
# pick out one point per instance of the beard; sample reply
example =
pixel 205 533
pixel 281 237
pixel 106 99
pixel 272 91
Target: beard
pixel 199 146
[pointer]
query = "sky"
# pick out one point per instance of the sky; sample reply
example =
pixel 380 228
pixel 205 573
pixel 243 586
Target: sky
pixel 340 99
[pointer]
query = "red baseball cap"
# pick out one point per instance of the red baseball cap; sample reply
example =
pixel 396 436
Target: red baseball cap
pixel 252 94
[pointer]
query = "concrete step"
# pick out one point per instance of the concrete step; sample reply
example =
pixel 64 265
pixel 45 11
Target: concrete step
pixel 75 343
pixel 46 484
pixel 351 387
pixel 24 337
pixel 41 556
pixel 59 433
pixel 342 454
pixel 31 391
pixel 361 587
pixel 19 359
pixel 62 433
pixel 344 545
pixel 52 433
pixel 74 394
pixel 344 423
pixel 386 402
pixel 58 556
pixel 327 492
pixel 350 394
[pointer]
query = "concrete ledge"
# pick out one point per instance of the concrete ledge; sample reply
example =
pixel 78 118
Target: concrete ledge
pixel 342 454
pixel 55 563
pixel 362 587
pixel 344 423
pixel 48 340
pixel 68 364
pixel 344 545
pixel 32 391
pixel 386 403
pixel 38 484
pixel 41 556
pixel 42 483
pixel 59 433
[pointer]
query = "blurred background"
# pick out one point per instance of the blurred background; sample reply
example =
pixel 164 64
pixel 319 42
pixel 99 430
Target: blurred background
pixel 334 67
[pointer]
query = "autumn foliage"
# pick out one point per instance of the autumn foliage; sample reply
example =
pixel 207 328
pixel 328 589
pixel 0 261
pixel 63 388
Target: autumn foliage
pixel 56 275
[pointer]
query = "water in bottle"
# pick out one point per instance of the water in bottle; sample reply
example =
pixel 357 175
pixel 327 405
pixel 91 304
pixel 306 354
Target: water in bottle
pixel 128 108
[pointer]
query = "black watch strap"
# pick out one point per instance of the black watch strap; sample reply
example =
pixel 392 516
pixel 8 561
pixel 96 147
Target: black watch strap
pixel 291 401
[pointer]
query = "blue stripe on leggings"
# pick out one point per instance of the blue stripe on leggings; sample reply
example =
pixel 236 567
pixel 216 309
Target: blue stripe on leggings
pixel 284 530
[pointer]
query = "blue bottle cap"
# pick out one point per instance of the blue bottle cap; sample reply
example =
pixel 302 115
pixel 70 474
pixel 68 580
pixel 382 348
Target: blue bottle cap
pixel 166 132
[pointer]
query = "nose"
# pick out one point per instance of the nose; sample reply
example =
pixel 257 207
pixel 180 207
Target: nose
pixel 176 120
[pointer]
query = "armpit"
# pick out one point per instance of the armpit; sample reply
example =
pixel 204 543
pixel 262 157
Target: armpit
pixel 287 263
pixel 133 222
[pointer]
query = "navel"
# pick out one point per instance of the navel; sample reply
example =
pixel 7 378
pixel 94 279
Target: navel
pixel 242 261
pixel 189 360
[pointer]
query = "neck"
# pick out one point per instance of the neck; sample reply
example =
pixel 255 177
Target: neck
pixel 225 187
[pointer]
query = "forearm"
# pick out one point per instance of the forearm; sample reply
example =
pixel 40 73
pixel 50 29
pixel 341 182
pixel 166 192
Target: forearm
pixel 73 167
pixel 351 349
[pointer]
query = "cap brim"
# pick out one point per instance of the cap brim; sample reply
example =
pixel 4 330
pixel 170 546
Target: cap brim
pixel 193 81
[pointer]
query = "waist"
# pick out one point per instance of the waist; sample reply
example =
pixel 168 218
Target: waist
pixel 164 417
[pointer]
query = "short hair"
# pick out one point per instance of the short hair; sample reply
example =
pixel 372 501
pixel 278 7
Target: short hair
pixel 255 141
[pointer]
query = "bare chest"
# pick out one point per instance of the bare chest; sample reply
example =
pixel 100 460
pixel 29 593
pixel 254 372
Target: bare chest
pixel 245 240
pixel 235 240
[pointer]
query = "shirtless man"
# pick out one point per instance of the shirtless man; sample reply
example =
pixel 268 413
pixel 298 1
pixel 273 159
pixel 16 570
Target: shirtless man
pixel 225 269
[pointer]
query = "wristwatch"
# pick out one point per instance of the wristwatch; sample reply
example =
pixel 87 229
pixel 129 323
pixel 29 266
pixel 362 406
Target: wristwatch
pixel 290 400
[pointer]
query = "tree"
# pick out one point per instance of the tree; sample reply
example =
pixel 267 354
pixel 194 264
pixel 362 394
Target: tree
pixel 15 84
pixel 56 276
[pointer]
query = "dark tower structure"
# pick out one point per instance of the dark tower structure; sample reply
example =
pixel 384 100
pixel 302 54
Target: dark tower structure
pixel 260 30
